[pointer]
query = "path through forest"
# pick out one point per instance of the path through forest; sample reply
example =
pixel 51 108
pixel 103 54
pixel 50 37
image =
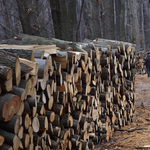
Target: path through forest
pixel 137 134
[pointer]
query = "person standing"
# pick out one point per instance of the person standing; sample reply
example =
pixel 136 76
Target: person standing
pixel 147 63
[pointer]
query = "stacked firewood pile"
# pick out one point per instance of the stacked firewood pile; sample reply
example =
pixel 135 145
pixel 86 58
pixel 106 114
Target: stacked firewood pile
pixel 140 68
pixel 68 100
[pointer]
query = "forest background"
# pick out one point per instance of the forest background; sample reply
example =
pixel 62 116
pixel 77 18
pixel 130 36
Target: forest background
pixel 75 20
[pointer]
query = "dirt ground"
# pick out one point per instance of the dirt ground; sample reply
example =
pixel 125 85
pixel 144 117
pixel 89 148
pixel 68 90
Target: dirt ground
pixel 137 134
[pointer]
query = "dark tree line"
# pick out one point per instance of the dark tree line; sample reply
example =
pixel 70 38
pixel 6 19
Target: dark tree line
pixel 75 20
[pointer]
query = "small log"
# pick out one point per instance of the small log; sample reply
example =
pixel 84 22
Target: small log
pixel 50 129
pixel 25 140
pixel 27 54
pixel 58 109
pixel 22 93
pixel 56 122
pixel 32 101
pixel 48 140
pixel 35 124
pixel 13 102
pixel 64 134
pixel 5 72
pixel 50 115
pixel 10 139
pixel 31 64
pixel 38 54
pixel 26 121
pixel 40 108
pixel 54 144
pixel 20 132
pixel 1 140
pixel 43 68
pixel 43 123
pixel 27 109
pixel 56 131
pixel 6 85
pixel 13 63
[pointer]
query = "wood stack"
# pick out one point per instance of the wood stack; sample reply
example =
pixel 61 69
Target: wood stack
pixel 67 100
pixel 140 59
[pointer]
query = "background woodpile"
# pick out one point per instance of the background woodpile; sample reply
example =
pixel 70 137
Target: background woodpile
pixel 67 100
pixel 140 59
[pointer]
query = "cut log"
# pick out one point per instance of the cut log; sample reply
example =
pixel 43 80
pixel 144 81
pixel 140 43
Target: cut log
pixel 12 125
pixel 27 109
pixel 50 115
pixel 6 113
pixel 22 93
pixel 58 109
pixel 20 132
pixel 6 147
pixel 5 72
pixel 13 102
pixel 6 85
pixel 1 140
pixel 32 101
pixel 32 64
pixel 38 54
pixel 60 43
pixel 35 124
pixel 13 63
pixel 25 69
pixel 10 139
pixel 43 123
pixel 26 121
pixel 43 67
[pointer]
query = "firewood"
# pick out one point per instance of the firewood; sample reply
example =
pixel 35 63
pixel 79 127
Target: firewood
pixel 43 123
pixel 6 147
pixel 5 72
pixel 20 132
pixel 19 91
pixel 26 121
pixel 35 124
pixel 13 63
pixel 43 68
pixel 10 139
pixel 25 140
pixel 38 54
pixel 12 125
pixel 1 140
pixel 13 103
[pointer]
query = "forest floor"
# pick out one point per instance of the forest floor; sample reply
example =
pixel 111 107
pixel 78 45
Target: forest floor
pixel 137 134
